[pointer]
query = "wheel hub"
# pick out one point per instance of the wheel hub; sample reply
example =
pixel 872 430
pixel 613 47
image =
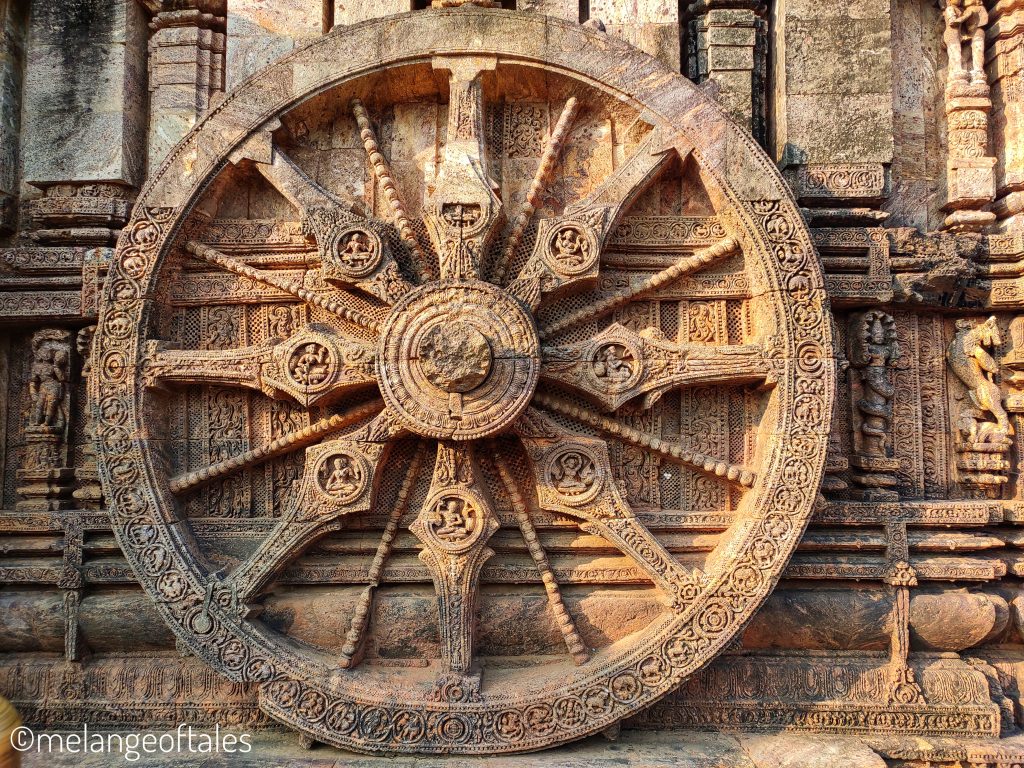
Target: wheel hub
pixel 458 360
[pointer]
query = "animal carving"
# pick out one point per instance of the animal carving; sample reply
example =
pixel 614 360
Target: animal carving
pixel 970 358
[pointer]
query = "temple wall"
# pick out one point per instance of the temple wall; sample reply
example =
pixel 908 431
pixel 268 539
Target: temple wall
pixel 913 219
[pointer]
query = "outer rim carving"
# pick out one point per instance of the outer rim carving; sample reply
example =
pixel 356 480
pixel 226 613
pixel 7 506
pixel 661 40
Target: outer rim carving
pixel 616 685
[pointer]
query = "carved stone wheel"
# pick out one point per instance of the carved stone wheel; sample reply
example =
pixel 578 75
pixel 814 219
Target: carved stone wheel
pixel 485 336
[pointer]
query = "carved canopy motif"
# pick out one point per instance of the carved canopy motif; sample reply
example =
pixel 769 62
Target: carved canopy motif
pixel 457 360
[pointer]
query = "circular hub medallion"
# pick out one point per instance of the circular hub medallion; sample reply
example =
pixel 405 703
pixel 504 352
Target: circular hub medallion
pixel 458 360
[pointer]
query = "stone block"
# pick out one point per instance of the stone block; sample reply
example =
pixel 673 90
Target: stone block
pixel 12 48
pixel 730 57
pixel 354 11
pixel 831 9
pixel 260 31
pixel 659 40
pixel 970 181
pixel 793 751
pixel 85 96
pixel 820 56
pixel 635 12
pixel 562 9
pixel 832 127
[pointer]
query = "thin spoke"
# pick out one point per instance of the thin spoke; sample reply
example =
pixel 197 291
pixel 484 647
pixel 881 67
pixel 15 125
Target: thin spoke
pixel 541 178
pixel 291 287
pixel 573 641
pixel 685 266
pixel 354 638
pixel 293 441
pixel 710 465
pixel 382 171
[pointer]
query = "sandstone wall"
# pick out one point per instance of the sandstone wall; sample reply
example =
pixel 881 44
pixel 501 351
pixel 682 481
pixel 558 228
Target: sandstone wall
pixel 910 179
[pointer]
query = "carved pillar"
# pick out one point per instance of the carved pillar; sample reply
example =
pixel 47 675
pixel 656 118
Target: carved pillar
pixel 45 477
pixel 1005 64
pixel 982 426
pixel 70 581
pixel 872 350
pixel 186 67
pixel 902 686
pixel 970 165
pixel 727 43
pixel 88 494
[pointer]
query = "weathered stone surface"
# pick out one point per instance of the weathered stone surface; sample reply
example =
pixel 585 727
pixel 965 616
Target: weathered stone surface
pixel 85 87
pixel 260 31
pixel 784 751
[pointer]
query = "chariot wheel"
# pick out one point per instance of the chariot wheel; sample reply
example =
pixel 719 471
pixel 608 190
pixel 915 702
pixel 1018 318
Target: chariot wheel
pixel 460 351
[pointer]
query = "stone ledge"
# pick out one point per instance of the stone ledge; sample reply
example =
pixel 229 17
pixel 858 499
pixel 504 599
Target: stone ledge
pixel 634 749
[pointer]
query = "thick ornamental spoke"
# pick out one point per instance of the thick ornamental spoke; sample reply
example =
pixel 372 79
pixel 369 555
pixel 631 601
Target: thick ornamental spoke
pixel 573 477
pixel 567 253
pixel 340 479
pixel 640 286
pixel 734 474
pixel 294 441
pixel 454 525
pixel 463 211
pixel 353 250
pixel 335 304
pixel 310 199
pixel 314 366
pixel 165 366
pixel 618 365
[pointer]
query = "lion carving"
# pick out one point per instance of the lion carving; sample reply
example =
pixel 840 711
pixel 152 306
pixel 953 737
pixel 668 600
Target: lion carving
pixel 970 357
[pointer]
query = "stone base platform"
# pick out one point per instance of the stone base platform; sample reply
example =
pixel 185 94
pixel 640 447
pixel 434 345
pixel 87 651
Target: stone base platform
pixel 633 749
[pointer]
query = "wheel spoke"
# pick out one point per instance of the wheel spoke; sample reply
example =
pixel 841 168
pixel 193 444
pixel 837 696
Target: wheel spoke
pixel 308 197
pixel 360 618
pixel 541 178
pixel 340 479
pixel 335 304
pixel 573 477
pixel 731 473
pixel 164 365
pixel 464 213
pixel 454 525
pixel 573 641
pixel 618 365
pixel 386 179
pixel 685 266
pixel 566 255
pixel 314 366
pixel 354 250
pixel 189 481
